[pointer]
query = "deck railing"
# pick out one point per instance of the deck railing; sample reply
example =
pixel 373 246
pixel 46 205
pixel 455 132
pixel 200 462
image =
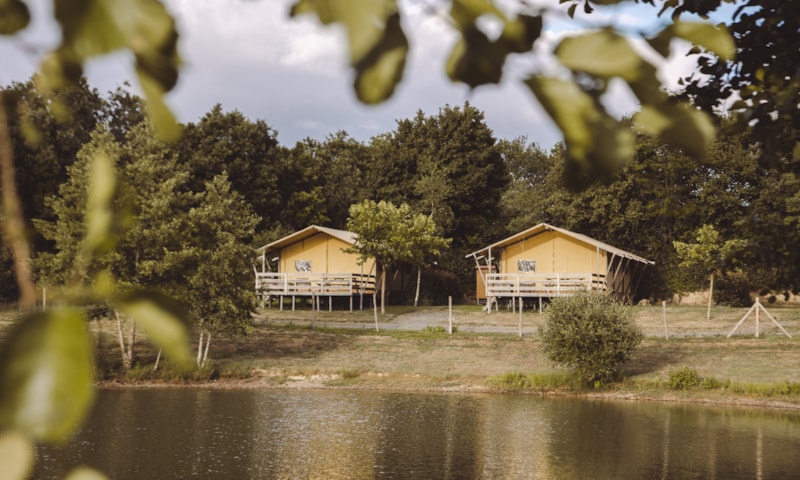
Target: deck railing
pixel 310 284
pixel 500 285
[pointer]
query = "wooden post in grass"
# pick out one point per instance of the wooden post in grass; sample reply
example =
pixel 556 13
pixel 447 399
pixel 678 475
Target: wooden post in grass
pixel 755 308
pixel 314 308
pixel 520 317
pixel 450 315
pixel 664 313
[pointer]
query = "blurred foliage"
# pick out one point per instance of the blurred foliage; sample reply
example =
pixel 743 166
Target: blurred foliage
pixel 234 165
pixel 597 144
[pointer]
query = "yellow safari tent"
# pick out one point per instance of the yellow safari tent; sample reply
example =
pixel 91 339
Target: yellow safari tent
pixel 312 263
pixel 546 261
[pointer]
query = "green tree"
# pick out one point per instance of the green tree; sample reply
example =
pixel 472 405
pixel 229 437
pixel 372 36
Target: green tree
pixel 302 184
pixel 246 150
pixel 337 166
pixel 191 245
pixel 710 253
pixel 761 81
pixel 393 235
pixel 42 146
pixel 423 244
pixel 526 201
pixel 772 227
pixel 591 334
pixel 211 269
pixel 122 111
pixel 446 166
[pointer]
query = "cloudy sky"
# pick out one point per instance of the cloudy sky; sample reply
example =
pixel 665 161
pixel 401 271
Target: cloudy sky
pixel 247 55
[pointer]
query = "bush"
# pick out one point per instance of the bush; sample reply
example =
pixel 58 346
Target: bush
pixel 590 334
pixel 683 379
pixel 711 383
pixel 733 290
pixel 511 381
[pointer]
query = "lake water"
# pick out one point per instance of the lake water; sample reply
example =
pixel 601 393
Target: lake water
pixel 340 434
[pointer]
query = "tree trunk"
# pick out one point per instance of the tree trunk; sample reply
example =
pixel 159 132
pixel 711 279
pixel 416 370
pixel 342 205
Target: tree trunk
pixel 131 340
pixel 383 292
pixel 199 349
pixel 419 279
pixel 710 296
pixel 158 359
pixel 205 350
pixel 375 308
pixel 126 352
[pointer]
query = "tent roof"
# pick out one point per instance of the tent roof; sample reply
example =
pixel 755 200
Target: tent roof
pixel 343 235
pixel 543 227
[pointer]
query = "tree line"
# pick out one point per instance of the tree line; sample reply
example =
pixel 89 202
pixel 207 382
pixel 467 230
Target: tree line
pixel 228 176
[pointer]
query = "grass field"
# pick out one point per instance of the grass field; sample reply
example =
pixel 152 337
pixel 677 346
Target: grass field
pixel 413 351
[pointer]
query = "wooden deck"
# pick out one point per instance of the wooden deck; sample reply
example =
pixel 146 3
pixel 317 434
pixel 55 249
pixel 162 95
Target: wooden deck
pixel 308 284
pixel 541 285
pixel 271 285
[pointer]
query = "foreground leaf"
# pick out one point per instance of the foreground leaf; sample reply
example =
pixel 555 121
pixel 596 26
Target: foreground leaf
pixel 597 144
pixel 46 375
pixel 14 16
pixel 16 456
pixel 85 473
pixel 710 37
pixel 378 73
pixel 678 124
pixel 603 54
pixel 477 60
pixel 378 46
pixel 99 211
pixel 93 28
pixel 162 320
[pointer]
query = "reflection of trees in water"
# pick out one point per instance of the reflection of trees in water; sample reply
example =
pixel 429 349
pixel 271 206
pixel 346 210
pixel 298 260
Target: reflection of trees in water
pixel 176 433
pixel 605 440
pixel 314 435
pixel 429 436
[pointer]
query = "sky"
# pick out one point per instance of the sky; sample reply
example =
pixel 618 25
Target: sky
pixel 248 55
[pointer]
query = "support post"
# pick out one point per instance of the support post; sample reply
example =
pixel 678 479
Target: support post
pixel 756 307
pixel 520 317
pixel 313 312
pixel 664 313
pixel 450 315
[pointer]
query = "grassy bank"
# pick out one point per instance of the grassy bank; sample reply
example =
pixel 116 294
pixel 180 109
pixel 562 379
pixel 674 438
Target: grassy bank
pixel 413 351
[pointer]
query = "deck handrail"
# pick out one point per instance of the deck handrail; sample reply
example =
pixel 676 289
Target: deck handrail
pixel 306 284
pixel 542 284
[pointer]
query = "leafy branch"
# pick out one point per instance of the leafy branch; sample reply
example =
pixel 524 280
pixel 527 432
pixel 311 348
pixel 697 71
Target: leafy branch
pixel 597 143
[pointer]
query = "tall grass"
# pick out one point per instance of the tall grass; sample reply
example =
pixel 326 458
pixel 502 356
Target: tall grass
pixel 540 382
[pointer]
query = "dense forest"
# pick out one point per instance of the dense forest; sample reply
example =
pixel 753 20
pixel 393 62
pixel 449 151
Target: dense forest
pixel 228 178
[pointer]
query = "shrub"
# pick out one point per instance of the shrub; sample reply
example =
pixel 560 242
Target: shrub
pixel 733 290
pixel 510 381
pixel 683 379
pixel 711 383
pixel 590 334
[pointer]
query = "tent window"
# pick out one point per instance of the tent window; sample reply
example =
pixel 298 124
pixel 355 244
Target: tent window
pixel 302 265
pixel 526 266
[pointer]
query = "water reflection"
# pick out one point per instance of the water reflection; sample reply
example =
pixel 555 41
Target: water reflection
pixel 289 434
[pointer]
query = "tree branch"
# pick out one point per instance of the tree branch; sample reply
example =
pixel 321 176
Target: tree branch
pixel 14 222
